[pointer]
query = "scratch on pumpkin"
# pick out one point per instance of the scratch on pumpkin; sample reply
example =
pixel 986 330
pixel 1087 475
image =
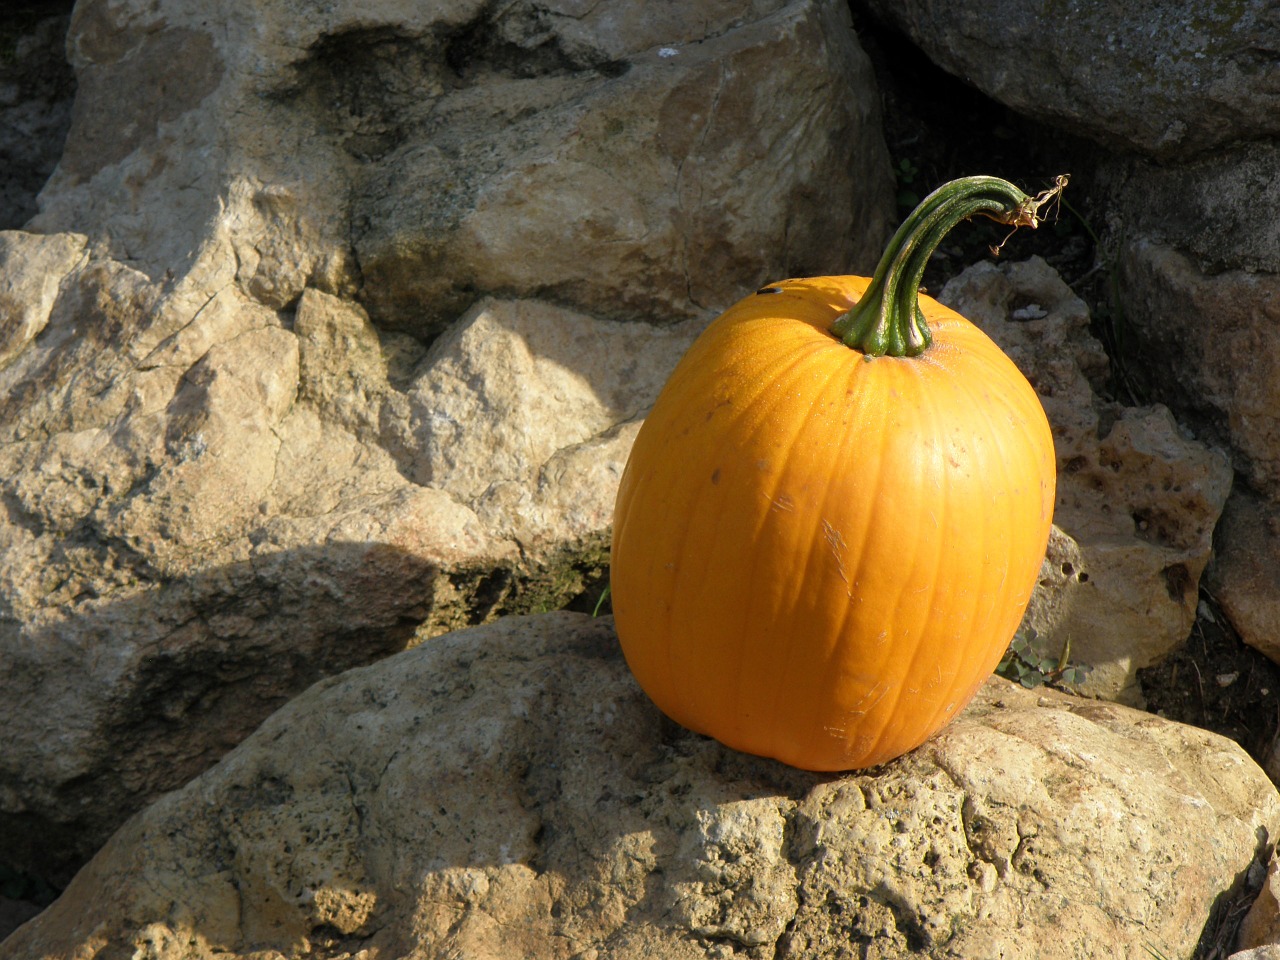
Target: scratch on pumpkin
pixel 870 699
pixel 838 546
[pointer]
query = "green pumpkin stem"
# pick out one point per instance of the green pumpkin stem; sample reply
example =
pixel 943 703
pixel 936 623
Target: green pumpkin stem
pixel 887 320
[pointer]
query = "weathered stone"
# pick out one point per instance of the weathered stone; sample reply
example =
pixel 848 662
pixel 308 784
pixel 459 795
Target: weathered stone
pixel 509 791
pixel 427 157
pixel 325 332
pixel 1157 77
pixel 1222 211
pixel 1137 499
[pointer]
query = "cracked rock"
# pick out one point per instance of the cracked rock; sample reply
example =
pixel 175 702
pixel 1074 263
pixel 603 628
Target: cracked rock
pixel 507 790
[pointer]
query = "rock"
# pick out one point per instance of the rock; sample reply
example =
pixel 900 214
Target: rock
pixel 508 791
pixel 1244 576
pixel 1198 281
pixel 31 269
pixel 36 90
pixel 339 336
pixel 1155 78
pixel 1219 210
pixel 1137 499
pixel 1217 374
pixel 1261 925
pixel 641 170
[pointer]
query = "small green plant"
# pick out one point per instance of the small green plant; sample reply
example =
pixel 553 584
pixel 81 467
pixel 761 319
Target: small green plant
pixel 1024 664
pixel 604 595
pixel 905 172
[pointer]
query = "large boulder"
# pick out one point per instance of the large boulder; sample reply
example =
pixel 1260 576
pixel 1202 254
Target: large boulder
pixel 1158 77
pixel 334 328
pixel 1138 501
pixel 508 791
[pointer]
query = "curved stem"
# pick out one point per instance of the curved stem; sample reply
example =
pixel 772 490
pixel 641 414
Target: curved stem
pixel 887 320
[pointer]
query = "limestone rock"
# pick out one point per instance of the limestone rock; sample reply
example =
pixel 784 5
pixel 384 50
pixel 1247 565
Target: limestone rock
pixel 1158 77
pixel 508 791
pixel 337 321
pixel 1137 499
pixel 1199 282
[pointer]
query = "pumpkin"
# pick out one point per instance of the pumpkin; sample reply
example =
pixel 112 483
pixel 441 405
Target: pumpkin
pixel 832 520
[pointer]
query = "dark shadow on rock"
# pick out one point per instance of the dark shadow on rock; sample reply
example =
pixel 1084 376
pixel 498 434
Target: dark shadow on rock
pixel 146 693
pixel 37 87
pixel 1218 938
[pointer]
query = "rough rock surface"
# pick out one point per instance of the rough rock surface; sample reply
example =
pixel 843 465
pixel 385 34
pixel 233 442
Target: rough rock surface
pixel 1159 77
pixel 629 166
pixel 508 791
pixel 329 328
pixel 1198 279
pixel 1137 499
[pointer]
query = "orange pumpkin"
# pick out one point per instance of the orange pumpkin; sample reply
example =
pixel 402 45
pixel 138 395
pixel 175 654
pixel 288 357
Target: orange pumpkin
pixel 831 521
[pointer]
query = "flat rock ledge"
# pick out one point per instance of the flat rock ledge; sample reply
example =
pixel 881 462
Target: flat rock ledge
pixel 507 791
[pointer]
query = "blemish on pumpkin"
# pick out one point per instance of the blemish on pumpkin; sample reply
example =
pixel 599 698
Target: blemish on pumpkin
pixel 715 475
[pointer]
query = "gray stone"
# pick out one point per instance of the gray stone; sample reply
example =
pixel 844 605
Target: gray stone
pixel 1200 338
pixel 508 791
pixel 1159 77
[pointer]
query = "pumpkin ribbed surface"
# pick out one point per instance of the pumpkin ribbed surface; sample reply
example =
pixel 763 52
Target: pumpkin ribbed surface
pixel 817 556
